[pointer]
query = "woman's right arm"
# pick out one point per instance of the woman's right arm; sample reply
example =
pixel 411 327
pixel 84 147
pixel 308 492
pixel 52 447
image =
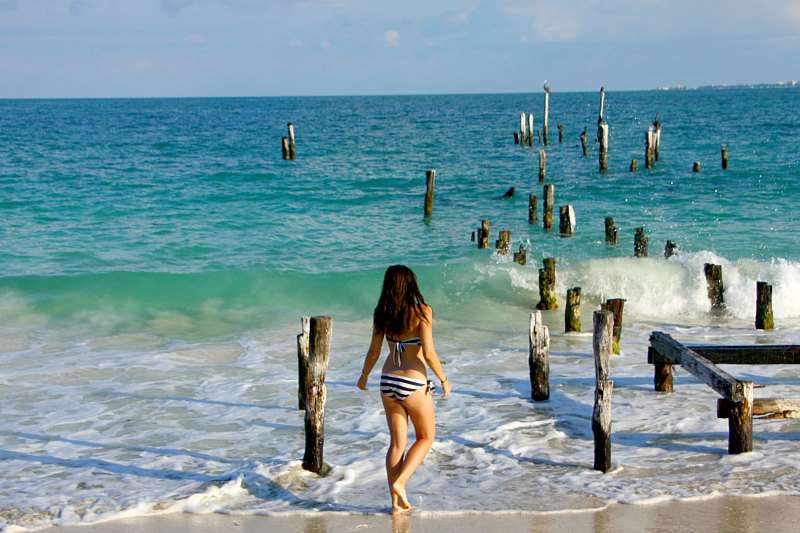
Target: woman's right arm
pixel 373 353
pixel 429 351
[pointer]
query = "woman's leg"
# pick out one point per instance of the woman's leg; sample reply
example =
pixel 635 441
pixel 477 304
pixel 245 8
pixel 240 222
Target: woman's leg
pixel 420 408
pixel 397 420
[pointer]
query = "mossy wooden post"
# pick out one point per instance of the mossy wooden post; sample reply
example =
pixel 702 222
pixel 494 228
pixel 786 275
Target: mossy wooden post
pixel 611 231
pixel 572 311
pixel 523 128
pixel 503 243
pixel 292 150
pixel 566 220
pixel 740 421
pixel 724 154
pixel 696 167
pixel 764 318
pixel 585 142
pixel 560 133
pixel 662 373
pixel 530 129
pixel 616 306
pixel 539 358
pixel 549 201
pixel 319 348
pixel 521 256
pixel 639 243
pixel 669 249
pixel 547 285
pixel 533 215
pixel 602 133
pixel 546 124
pixel 715 287
pixel 634 165
pixel 601 415
pixel 649 148
pixel 483 233
pixel 285 148
pixel 302 361
pixel 542 165
pixel 430 183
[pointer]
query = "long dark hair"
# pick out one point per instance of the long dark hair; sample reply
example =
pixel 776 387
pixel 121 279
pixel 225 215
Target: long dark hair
pixel 400 297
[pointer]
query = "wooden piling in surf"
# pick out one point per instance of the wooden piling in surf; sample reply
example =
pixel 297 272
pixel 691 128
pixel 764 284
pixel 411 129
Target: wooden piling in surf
pixel 560 133
pixel 530 129
pixel 616 306
pixel 285 148
pixel 601 414
pixel 483 233
pixel 503 243
pixel 292 149
pixel 662 373
pixel 764 316
pixel 302 361
pixel 740 421
pixel 516 137
pixel 547 285
pixel 640 243
pixel 533 215
pixel 634 165
pixel 546 123
pixel 657 138
pixel 549 200
pixel 611 231
pixel 566 220
pixel 602 135
pixel 572 310
pixel 430 182
pixel 714 285
pixel 523 128
pixel 602 104
pixel 724 155
pixel 649 148
pixel 539 358
pixel 696 166
pixel 521 256
pixel 542 165
pixel 319 346
pixel 669 249
pixel 585 142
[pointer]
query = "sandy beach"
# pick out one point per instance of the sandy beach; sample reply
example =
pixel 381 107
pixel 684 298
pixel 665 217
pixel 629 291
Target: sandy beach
pixel 720 515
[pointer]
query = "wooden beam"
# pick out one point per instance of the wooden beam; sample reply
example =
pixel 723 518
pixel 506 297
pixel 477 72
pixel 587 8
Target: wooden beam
pixel 775 354
pixel 766 408
pixel 706 371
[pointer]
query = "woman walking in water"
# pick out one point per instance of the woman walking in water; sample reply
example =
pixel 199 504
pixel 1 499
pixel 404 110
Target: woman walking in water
pixel 406 321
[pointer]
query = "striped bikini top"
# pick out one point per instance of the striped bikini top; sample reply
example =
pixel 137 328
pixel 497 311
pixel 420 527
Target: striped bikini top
pixel 400 347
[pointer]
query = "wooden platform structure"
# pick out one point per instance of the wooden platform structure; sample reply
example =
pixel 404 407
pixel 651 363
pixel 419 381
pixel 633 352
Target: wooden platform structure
pixel 737 403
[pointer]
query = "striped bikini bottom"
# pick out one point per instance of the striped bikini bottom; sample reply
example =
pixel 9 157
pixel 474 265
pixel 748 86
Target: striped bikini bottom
pixel 401 387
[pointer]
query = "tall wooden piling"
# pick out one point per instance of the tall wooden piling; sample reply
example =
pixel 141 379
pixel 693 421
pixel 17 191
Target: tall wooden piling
pixel 533 215
pixel 740 422
pixel 662 373
pixel 572 310
pixel 539 358
pixel 640 243
pixel 319 347
pixel 649 148
pixel 585 142
pixel 483 233
pixel 602 104
pixel 285 148
pixel 764 318
pixel 715 287
pixel 504 242
pixel 302 361
pixel 430 182
pixel 601 414
pixel 669 249
pixel 546 123
pixel 292 150
pixel 523 128
pixel 696 166
pixel 549 195
pixel 547 285
pixel 530 129
pixel 724 155
pixel 516 137
pixel 521 256
pixel 542 165
pixel 634 165
pixel 616 306
pixel 566 220
pixel 611 231
pixel 657 138
pixel 602 135
pixel 560 133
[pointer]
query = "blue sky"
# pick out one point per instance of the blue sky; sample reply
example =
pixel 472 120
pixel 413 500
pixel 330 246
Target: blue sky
pixel 96 48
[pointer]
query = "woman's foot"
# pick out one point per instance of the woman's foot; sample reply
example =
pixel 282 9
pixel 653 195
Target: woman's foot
pixel 399 500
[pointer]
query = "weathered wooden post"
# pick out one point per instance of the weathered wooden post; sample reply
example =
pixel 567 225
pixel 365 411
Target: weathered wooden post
pixel 502 244
pixel 764 318
pixel 584 142
pixel 566 220
pixel 715 288
pixel 724 154
pixel 546 124
pixel 640 243
pixel 430 182
pixel 547 285
pixel 285 148
pixel 616 306
pixel 319 347
pixel 539 358
pixel 572 311
pixel 611 231
pixel 521 256
pixel 662 373
pixel 634 165
pixel 549 201
pixel 670 249
pixel 483 233
pixel 696 166
pixel 602 103
pixel 649 148
pixel 542 165
pixel 657 138
pixel 516 137
pixel 292 150
pixel 740 421
pixel 560 133
pixel 302 361
pixel 473 237
pixel 523 128
pixel 533 216
pixel 601 415
pixel 530 129
pixel 602 133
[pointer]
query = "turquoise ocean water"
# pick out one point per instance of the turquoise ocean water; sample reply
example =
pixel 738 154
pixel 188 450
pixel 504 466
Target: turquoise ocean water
pixel 156 256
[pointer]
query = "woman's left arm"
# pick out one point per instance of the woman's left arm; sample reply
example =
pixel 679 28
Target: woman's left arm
pixel 373 353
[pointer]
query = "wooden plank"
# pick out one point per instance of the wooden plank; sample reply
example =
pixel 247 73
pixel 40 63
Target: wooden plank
pixel 706 371
pixel 775 354
pixel 766 408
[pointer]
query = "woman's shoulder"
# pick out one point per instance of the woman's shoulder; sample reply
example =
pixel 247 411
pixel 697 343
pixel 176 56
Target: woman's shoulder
pixel 426 311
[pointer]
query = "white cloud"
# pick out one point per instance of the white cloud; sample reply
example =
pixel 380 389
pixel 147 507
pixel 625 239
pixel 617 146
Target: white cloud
pixel 392 38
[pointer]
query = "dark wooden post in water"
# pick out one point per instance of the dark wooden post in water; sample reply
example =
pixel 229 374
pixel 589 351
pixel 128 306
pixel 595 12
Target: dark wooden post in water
pixel 483 233
pixel 572 311
pixel 533 216
pixel 616 306
pixel 740 421
pixel 430 182
pixel 285 148
pixel 542 165
pixel 584 142
pixel 566 220
pixel 649 148
pixel 669 249
pixel 521 256
pixel 547 285
pixel 549 200
pixel 696 166
pixel 292 150
pixel 715 288
pixel 611 231
pixel 539 358
pixel 602 135
pixel 764 318
pixel 634 165
pixel 662 373
pixel 560 133
pixel 319 347
pixel 657 138
pixel 523 126
pixel 302 361
pixel 640 243
pixel 546 124
pixel 516 137
pixel 724 154
pixel 503 243
pixel 601 415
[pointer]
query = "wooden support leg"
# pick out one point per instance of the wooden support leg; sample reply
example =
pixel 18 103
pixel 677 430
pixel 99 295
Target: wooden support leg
pixel 740 422
pixel 663 378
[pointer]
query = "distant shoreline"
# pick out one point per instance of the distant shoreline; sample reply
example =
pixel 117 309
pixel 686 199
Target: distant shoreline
pixel 791 84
